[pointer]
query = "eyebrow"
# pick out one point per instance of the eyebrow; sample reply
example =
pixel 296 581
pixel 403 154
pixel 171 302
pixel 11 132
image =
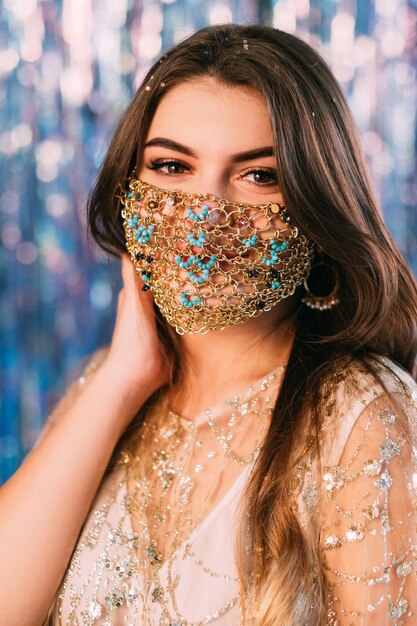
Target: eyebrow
pixel 257 153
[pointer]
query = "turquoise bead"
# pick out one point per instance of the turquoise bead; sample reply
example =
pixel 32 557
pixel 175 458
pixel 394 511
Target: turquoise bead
pixel 250 241
pixel 197 241
pixel 274 253
pixel 199 279
pixel 189 303
pixel 143 234
pixel 132 223
pixel 204 267
pixel 198 217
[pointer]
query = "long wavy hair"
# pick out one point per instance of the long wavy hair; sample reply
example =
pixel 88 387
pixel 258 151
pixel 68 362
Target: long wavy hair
pixel 327 191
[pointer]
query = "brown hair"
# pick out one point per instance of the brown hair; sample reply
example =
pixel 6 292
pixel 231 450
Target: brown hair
pixel 327 191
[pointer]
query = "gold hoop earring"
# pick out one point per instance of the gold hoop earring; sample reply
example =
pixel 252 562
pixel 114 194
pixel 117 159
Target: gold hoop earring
pixel 321 303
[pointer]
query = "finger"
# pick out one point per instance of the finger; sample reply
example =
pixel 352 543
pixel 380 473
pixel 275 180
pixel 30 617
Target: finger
pixel 128 271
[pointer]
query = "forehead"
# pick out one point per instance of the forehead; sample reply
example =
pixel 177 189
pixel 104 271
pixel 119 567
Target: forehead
pixel 205 114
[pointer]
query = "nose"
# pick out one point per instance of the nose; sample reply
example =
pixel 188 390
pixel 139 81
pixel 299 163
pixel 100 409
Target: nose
pixel 212 181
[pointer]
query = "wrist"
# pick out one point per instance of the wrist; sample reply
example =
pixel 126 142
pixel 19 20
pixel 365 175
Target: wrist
pixel 132 391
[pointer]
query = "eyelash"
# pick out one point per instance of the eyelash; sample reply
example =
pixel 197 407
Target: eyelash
pixel 157 165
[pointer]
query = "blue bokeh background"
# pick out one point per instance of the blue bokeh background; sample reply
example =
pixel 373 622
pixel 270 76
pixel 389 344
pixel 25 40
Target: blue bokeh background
pixel 67 70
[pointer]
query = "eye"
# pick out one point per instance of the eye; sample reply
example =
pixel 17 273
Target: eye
pixel 261 176
pixel 169 167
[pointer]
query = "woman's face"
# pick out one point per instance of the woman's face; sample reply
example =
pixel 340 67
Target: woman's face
pixel 206 137
pixel 212 262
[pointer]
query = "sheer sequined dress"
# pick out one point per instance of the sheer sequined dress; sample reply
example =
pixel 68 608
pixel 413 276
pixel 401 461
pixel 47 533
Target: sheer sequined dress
pixel 157 547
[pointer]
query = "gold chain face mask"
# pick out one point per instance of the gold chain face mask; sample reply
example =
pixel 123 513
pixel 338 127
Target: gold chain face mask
pixel 209 262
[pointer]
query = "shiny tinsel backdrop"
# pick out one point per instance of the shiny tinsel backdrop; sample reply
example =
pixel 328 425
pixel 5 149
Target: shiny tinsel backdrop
pixel 67 70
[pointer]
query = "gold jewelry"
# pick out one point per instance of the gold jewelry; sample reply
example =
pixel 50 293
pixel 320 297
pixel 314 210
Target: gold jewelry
pixel 322 303
pixel 210 262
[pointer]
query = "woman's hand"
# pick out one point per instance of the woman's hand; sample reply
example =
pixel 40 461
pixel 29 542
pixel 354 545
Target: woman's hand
pixel 135 354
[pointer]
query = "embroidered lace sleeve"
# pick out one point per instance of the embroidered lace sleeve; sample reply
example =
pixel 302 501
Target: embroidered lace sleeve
pixel 369 519
pixel 80 378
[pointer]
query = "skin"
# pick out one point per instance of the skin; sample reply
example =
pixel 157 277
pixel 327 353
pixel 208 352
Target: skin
pixel 221 123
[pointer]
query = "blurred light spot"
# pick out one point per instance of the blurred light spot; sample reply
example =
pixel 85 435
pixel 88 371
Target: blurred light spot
pixel 220 14
pixel 50 72
pixel 9 201
pixel 49 151
pixel 364 50
pixel 372 142
pixel 150 42
pixel 383 163
pixel 182 33
pixel 127 63
pixel 31 47
pixel 152 19
pixel 22 135
pixel 46 172
pixel 9 59
pixel 10 235
pixel 26 252
pixel 392 43
pixel 343 73
pixel 57 204
pixel 31 50
pixel 100 295
pixel 21 9
pixel 342 32
pixel 19 137
pixel 48 154
pixel 76 83
pixel 97 103
pixel 26 75
pixel 6 143
pixel 139 76
pixel 53 257
pixel 386 7
pixel 76 31
pixel 302 8
pixel 150 45
pixel 284 16
pixel 404 73
pixel 116 12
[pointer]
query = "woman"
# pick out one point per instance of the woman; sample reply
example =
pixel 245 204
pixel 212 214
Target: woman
pixel 243 452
